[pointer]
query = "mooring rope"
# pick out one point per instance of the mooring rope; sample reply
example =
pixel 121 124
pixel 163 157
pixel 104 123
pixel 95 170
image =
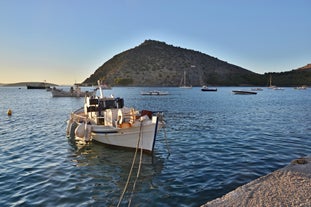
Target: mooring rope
pixel 131 170
pixel 139 165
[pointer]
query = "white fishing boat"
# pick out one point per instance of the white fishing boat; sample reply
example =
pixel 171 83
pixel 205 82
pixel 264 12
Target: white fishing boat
pixel 73 92
pixel 107 120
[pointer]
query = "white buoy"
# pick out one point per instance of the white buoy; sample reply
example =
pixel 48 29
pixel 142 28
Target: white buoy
pixel 80 130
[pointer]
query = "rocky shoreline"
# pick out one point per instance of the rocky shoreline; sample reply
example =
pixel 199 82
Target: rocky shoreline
pixel 288 186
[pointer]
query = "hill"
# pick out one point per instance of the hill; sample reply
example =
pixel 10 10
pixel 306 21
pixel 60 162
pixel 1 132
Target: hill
pixel 296 77
pixel 305 68
pixel 155 63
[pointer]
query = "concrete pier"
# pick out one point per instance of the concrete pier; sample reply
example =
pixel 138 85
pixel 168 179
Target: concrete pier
pixel 288 186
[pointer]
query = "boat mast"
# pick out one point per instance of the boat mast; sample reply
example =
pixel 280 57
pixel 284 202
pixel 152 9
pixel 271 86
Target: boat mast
pixel 100 89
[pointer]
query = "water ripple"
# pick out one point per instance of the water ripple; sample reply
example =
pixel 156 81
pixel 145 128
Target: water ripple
pixel 218 141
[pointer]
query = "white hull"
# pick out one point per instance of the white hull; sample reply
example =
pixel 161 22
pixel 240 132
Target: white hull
pixel 133 137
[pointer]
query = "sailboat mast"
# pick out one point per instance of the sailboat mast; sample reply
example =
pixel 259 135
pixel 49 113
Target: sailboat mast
pixel 100 89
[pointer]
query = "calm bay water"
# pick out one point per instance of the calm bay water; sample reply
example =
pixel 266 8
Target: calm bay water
pixel 217 140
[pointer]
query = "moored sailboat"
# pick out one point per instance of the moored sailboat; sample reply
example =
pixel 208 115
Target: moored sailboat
pixel 183 82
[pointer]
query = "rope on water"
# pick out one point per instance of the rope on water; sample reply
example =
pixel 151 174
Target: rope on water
pixel 132 167
pixel 139 165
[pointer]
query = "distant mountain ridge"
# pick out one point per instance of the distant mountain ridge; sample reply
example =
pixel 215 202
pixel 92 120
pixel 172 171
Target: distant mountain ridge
pixel 27 83
pixel 155 63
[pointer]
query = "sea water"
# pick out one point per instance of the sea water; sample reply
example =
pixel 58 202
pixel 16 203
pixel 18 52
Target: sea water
pixel 213 142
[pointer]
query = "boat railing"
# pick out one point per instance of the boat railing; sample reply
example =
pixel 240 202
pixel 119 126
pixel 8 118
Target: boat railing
pixel 78 118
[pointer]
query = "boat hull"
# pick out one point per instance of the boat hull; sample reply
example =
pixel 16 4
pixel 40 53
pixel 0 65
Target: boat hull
pixel 37 87
pixel 209 89
pixel 142 135
pixel 133 137
pixel 244 92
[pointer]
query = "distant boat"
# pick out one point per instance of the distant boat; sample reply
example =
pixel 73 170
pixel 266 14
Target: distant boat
pixel 270 83
pixel 238 92
pixel 273 86
pixel 73 92
pixel 278 88
pixel 183 82
pixel 205 88
pixel 304 87
pixel 154 93
pixel 37 86
pixel 257 89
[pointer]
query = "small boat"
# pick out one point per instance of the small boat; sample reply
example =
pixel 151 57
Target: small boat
pixel 108 121
pixel 278 88
pixel 273 86
pixel 37 86
pixel 73 92
pixel 257 89
pixel 270 83
pixel 154 93
pixel 304 87
pixel 244 92
pixel 205 88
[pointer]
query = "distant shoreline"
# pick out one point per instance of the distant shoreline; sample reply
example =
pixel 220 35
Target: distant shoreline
pixel 24 84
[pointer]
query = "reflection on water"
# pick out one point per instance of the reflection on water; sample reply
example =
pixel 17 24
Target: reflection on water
pixel 110 168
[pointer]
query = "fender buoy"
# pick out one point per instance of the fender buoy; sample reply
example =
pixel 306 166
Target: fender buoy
pixel 87 132
pixel 125 125
pixel 80 130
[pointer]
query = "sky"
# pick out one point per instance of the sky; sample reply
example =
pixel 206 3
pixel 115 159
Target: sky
pixel 65 41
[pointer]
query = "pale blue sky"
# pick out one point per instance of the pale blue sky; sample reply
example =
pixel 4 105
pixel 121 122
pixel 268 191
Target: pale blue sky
pixel 65 41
